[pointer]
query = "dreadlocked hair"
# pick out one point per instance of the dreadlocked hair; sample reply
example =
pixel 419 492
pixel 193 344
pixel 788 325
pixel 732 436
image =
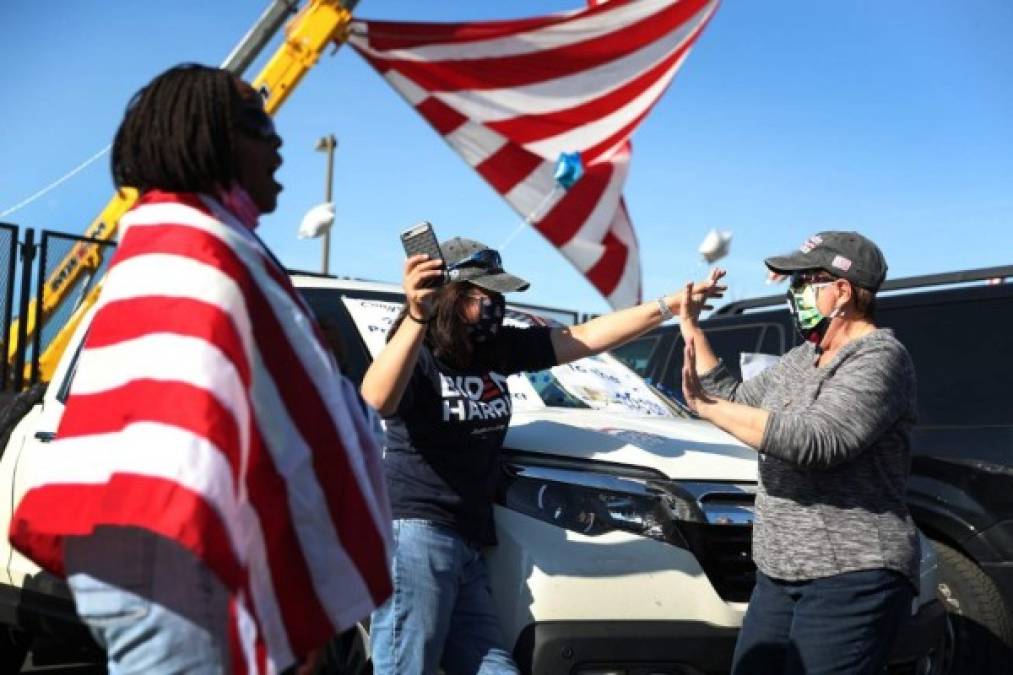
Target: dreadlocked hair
pixel 447 333
pixel 177 132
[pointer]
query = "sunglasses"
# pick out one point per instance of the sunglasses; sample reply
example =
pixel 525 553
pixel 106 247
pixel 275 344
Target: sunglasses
pixel 486 259
pixel 255 123
pixel 480 298
pixel 800 280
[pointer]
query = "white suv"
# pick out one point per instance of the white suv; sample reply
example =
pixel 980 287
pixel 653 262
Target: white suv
pixel 624 525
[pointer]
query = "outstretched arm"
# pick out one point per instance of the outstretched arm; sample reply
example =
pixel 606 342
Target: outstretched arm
pixel 611 330
pixel 385 382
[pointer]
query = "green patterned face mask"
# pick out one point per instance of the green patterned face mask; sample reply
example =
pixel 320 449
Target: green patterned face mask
pixel 802 303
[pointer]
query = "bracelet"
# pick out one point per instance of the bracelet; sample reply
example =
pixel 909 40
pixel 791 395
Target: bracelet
pixel 419 321
pixel 666 311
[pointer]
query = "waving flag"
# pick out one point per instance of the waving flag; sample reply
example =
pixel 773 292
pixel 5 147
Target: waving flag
pixel 205 410
pixel 517 99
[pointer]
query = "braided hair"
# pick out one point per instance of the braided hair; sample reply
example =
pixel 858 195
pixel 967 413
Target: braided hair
pixel 177 132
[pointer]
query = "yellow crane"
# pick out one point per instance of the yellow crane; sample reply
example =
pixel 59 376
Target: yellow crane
pixel 307 34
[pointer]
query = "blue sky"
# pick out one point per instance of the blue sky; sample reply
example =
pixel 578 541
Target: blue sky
pixel 791 116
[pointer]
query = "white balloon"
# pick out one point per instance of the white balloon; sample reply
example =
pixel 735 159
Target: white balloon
pixel 715 245
pixel 317 221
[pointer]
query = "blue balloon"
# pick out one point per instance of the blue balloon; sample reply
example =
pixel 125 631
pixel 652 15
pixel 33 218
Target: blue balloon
pixel 569 169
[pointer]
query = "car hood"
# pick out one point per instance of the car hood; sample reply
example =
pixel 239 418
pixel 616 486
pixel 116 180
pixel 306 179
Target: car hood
pixel 679 448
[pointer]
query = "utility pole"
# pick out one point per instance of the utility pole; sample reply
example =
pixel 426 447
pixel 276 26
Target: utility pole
pixel 327 144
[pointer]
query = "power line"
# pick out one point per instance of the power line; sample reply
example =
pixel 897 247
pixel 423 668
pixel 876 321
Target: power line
pixel 73 172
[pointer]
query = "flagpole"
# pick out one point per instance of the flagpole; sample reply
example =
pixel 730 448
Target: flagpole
pixel 327 144
pixel 536 214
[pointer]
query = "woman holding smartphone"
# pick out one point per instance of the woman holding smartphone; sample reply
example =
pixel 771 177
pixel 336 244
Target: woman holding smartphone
pixel 441 384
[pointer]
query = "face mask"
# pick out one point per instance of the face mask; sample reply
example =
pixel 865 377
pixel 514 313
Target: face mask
pixel 490 318
pixel 240 204
pixel 809 321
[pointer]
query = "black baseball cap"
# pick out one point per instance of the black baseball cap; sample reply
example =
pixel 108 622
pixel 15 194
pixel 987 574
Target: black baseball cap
pixel 847 255
pixel 474 262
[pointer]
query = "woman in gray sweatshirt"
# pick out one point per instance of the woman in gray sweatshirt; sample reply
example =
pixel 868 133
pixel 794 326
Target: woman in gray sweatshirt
pixel 835 547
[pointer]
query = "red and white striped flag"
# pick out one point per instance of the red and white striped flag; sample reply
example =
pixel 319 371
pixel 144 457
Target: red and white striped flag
pixel 206 408
pixel 511 96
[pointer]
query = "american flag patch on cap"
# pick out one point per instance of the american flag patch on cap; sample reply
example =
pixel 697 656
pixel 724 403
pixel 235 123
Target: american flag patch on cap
pixel 841 263
pixel 810 243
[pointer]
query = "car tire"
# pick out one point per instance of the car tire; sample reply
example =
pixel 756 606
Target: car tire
pixel 14 646
pixel 982 631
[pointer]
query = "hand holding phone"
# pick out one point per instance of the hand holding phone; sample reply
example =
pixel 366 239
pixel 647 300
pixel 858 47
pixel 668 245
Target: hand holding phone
pixel 421 239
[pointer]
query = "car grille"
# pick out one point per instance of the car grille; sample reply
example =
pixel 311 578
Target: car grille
pixel 723 544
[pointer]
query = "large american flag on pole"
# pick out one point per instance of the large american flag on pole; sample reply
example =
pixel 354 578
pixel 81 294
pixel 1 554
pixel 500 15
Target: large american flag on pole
pixel 206 408
pixel 511 97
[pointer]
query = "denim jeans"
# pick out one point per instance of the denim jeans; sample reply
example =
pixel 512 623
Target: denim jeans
pixel 153 606
pixel 441 612
pixel 840 624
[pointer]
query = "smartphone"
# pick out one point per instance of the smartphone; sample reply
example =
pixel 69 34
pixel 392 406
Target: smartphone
pixel 421 238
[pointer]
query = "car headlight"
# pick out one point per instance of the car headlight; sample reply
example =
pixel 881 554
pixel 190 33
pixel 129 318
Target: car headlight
pixel 594 503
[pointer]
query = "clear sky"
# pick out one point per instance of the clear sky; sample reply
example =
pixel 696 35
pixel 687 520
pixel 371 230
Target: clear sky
pixel 790 116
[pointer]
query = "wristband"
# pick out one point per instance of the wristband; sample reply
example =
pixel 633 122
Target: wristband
pixel 419 321
pixel 666 311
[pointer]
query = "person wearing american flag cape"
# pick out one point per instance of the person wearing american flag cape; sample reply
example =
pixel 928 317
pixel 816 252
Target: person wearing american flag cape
pixel 214 494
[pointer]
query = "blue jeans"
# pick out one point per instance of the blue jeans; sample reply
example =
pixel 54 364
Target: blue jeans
pixel 441 612
pixel 153 606
pixel 841 624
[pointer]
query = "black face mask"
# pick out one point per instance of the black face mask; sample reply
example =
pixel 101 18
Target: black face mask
pixel 490 318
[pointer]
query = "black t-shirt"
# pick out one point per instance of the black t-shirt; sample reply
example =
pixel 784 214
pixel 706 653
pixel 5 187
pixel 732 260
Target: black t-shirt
pixel 443 442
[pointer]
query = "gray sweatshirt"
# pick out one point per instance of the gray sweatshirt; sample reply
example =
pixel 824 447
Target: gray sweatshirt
pixel 834 459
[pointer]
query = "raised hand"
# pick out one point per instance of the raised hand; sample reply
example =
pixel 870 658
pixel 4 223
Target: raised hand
pixel 697 294
pixel 695 298
pixel 692 390
pixel 421 279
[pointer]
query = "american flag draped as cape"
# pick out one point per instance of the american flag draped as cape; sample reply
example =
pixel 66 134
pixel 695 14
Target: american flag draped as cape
pixel 511 96
pixel 206 408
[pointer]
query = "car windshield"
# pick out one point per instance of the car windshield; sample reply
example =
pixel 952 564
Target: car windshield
pixel 598 382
